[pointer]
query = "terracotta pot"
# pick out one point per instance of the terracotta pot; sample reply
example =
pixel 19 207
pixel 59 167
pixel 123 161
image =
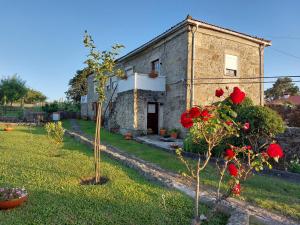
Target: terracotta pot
pixel 162 132
pixel 8 129
pixel 174 135
pixel 128 136
pixel 12 203
pixel 153 74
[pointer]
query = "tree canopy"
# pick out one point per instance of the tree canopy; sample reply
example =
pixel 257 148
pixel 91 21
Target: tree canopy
pixel 281 87
pixel 78 86
pixel 34 96
pixel 12 89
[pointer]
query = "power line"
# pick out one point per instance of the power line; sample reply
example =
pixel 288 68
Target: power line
pixel 285 53
pixel 252 82
pixel 243 78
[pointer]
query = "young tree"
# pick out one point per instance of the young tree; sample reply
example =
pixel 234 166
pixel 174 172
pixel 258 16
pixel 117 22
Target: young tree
pixel 281 87
pixel 77 86
pixel 102 64
pixel 12 89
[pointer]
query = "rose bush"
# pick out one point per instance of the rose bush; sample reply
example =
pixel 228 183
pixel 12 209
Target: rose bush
pixel 220 121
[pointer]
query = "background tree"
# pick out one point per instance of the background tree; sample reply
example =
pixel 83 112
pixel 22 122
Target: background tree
pixel 12 89
pixel 282 86
pixel 78 86
pixel 34 96
pixel 102 64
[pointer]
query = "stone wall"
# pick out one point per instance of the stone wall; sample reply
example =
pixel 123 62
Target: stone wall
pixel 210 49
pixel 122 113
pixel 129 111
pixel 290 142
pixel 172 53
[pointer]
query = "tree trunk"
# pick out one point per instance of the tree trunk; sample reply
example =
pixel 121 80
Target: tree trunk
pixel 97 144
pixel 197 195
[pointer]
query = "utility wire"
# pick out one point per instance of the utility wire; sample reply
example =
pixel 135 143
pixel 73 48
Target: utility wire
pixel 242 78
pixel 285 53
pixel 250 82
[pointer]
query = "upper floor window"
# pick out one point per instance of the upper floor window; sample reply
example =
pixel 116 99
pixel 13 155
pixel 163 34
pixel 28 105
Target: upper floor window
pixel 231 65
pixel 129 71
pixel 155 66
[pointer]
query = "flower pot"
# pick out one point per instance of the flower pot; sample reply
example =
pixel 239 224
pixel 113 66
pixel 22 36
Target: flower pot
pixel 128 136
pixel 8 129
pixel 153 74
pixel 174 135
pixel 162 132
pixel 12 203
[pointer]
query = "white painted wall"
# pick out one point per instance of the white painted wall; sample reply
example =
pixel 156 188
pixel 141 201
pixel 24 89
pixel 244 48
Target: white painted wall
pixel 143 82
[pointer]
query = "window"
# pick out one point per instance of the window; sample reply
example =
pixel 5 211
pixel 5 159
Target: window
pixel 114 84
pixel 155 66
pixel 231 65
pixel 129 71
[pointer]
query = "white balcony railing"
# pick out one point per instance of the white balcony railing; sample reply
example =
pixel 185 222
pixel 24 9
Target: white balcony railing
pixel 143 82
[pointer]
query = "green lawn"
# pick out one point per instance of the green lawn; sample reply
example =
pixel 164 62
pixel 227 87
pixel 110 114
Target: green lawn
pixel 56 197
pixel 267 192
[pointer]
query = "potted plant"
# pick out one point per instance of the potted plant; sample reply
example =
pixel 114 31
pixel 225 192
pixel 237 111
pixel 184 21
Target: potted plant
pixel 174 133
pixel 128 136
pixel 8 127
pixel 162 131
pixel 153 74
pixel 12 197
pixel 149 131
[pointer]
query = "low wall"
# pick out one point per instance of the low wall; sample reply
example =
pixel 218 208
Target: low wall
pixel 290 142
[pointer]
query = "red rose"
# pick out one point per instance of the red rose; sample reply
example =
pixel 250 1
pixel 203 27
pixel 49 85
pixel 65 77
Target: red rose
pixel 195 112
pixel 219 92
pixel 237 96
pixel 229 154
pixel 246 126
pixel 186 120
pixel 205 115
pixel 275 151
pixel 229 123
pixel 232 170
pixel 236 189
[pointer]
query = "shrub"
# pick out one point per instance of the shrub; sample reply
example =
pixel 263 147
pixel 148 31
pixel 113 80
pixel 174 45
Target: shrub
pixel 55 132
pixel 263 120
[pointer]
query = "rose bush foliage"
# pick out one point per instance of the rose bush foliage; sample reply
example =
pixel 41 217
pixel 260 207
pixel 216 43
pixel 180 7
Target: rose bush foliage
pixel 215 125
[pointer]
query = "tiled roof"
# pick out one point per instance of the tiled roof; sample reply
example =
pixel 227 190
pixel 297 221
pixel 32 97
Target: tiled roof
pixel 295 100
pixel 190 20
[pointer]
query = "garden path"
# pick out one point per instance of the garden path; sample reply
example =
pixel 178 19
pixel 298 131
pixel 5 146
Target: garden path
pixel 239 210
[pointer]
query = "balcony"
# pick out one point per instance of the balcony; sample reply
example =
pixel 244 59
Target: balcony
pixel 142 82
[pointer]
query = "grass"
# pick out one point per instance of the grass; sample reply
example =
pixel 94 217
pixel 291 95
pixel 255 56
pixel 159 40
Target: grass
pixel 55 196
pixel 264 191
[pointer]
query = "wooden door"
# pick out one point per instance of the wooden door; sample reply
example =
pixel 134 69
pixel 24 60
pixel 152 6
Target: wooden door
pixel 152 116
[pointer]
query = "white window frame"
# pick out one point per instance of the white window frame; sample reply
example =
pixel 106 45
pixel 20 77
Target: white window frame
pixel 158 60
pixel 129 68
pixel 231 62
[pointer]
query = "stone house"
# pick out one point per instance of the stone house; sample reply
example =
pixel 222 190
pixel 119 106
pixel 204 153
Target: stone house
pixel 179 68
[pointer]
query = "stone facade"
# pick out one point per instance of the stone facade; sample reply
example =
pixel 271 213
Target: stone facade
pixel 209 63
pixel 186 55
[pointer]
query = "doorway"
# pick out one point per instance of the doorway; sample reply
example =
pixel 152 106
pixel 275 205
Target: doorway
pixel 152 117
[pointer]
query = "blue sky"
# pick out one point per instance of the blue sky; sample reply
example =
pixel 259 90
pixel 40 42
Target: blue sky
pixel 41 40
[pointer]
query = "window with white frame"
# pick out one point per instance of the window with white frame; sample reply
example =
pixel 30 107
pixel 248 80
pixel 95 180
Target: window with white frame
pixel 231 65
pixel 95 86
pixel 129 71
pixel 155 66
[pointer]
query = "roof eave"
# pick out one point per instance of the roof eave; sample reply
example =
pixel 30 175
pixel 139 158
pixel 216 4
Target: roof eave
pixel 266 43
